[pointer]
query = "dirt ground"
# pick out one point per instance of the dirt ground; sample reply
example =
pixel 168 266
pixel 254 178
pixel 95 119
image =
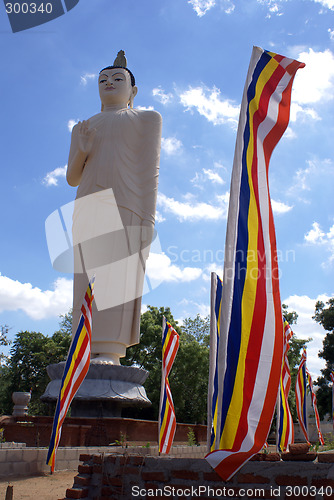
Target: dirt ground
pixel 44 487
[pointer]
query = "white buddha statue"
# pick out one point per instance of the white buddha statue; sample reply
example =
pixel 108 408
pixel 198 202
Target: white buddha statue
pixel 114 161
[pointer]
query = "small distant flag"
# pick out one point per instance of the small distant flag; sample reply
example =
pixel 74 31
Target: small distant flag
pixel 285 430
pixel 315 408
pixel 216 299
pixel 250 351
pixel 76 368
pixel 167 419
pixel 332 379
pixel 301 384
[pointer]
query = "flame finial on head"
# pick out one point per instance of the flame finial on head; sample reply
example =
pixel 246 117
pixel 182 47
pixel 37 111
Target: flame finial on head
pixel 121 59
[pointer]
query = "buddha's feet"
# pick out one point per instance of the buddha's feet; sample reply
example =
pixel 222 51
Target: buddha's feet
pixel 106 359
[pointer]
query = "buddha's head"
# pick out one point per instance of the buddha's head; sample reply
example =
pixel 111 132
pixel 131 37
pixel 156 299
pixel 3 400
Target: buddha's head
pixel 117 86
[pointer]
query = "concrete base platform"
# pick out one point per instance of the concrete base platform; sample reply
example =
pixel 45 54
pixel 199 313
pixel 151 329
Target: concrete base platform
pixel 104 392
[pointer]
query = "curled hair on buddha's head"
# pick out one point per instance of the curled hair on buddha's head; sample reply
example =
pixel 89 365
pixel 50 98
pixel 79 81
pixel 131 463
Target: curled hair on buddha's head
pixel 121 62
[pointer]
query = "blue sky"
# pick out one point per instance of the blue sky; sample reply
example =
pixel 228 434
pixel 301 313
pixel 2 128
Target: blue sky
pixel 190 60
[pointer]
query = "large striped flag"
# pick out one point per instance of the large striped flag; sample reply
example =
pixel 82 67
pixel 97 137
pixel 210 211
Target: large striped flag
pixel 167 419
pixel 216 299
pixel 315 408
pixel 75 370
pixel 301 393
pixel 251 329
pixel 332 379
pixel 285 430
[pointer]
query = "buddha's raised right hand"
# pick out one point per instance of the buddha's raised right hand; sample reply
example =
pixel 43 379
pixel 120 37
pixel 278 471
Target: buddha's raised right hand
pixel 85 136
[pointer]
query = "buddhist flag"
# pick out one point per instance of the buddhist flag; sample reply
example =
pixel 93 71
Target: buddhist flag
pixel 332 379
pixel 315 408
pixel 216 299
pixel 76 368
pixel 167 420
pixel 250 352
pixel 285 430
pixel 301 385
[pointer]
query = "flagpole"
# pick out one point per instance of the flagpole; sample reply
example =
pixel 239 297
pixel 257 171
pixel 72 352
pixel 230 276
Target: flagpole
pixel 213 347
pixel 161 389
pixel 277 419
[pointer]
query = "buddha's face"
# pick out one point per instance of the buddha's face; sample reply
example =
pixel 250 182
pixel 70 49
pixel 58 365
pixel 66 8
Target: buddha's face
pixel 115 87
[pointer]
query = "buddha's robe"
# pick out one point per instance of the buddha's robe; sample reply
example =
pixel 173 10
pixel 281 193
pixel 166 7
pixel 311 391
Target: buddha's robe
pixel 121 172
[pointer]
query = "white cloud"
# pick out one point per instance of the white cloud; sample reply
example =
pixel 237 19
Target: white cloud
pixel 87 77
pixel 315 82
pixel 274 7
pixel 280 207
pixel 213 268
pixel 213 176
pixel 159 217
pixel 171 145
pixel 302 112
pixel 193 210
pixel 306 328
pixel 305 177
pixel 160 268
pixel 51 178
pixel 207 174
pixel 227 6
pixel 37 304
pixel 326 3
pixel 331 34
pixel 316 236
pixel 201 7
pixel 71 123
pixel 289 133
pixel 208 103
pixel 162 96
pixel 145 108
pixel 202 309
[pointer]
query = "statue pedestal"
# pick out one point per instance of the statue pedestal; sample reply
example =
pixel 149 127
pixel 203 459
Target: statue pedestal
pixel 105 391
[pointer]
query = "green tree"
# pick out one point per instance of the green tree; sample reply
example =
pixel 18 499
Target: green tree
pixel 4 329
pixel 147 354
pixel 25 369
pixel 294 355
pixel 325 317
pixel 197 329
pixel 290 316
pixel 189 375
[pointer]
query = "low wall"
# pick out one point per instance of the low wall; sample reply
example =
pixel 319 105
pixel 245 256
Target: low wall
pixel 31 461
pixel 76 432
pixel 112 476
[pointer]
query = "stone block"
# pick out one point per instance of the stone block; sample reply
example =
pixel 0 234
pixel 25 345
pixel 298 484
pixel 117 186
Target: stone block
pixel 30 454
pixel 299 448
pixel 15 455
pixel 326 457
pixel 305 457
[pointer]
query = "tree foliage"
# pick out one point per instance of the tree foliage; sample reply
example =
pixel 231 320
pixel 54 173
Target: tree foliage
pixel 25 368
pixel 4 329
pixel 325 317
pixel 294 356
pixel 189 375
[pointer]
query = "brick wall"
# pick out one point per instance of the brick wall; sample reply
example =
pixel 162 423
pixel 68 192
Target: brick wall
pixel 113 477
pixel 36 431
